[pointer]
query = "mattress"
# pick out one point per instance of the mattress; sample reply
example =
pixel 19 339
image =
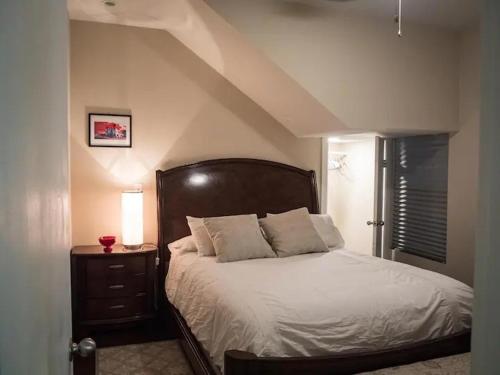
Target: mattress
pixel 313 304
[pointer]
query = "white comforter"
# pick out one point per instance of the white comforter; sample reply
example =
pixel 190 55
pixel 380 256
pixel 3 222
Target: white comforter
pixel 313 304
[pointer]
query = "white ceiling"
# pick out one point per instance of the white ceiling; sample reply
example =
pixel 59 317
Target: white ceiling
pixel 196 25
pixel 453 14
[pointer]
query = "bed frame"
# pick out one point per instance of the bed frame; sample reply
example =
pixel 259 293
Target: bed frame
pixel 244 186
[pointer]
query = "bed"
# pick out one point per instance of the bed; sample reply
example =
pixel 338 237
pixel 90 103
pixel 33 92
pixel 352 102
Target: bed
pixel 294 325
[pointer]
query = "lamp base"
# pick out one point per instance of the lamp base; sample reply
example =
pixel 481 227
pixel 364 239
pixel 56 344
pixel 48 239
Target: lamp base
pixel 132 247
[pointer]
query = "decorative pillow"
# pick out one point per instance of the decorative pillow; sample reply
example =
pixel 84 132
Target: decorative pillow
pixel 293 233
pixel 201 238
pixel 327 231
pixel 185 244
pixel 237 238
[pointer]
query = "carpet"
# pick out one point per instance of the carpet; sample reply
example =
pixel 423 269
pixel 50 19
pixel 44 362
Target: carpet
pixel 167 358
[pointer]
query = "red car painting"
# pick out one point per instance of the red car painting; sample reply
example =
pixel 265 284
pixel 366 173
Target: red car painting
pixel 109 130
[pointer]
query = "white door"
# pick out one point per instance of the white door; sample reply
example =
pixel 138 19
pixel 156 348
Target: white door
pixel 35 309
pixel 351 190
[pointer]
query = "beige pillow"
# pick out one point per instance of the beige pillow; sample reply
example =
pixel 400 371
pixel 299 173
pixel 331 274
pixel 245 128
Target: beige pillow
pixel 327 231
pixel 201 238
pixel 293 233
pixel 237 238
pixel 185 244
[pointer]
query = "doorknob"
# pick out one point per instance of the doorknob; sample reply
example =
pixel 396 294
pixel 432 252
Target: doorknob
pixel 84 348
pixel 375 223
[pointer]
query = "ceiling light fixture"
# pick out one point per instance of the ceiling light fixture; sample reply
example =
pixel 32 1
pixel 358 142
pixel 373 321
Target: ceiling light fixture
pixel 109 3
pixel 398 17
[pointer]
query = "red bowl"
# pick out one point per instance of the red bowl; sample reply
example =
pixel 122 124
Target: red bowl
pixel 107 242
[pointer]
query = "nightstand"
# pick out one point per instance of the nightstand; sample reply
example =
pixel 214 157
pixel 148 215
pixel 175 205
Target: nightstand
pixel 112 292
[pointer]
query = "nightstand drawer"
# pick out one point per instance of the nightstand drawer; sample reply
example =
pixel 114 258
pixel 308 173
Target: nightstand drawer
pixel 113 308
pixel 117 268
pixel 112 291
pixel 112 287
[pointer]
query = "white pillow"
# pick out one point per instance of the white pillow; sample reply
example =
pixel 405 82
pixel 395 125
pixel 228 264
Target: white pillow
pixel 327 231
pixel 201 238
pixel 293 233
pixel 237 238
pixel 185 244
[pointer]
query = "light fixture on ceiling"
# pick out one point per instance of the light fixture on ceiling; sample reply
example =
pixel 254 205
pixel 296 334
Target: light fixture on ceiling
pixel 398 17
pixel 109 3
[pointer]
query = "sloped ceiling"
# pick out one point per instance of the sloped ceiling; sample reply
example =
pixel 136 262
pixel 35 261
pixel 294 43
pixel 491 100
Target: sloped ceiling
pixel 349 57
pixel 209 36
pixel 320 67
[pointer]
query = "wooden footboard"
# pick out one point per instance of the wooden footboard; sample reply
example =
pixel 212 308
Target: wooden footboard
pixel 244 363
pixel 238 362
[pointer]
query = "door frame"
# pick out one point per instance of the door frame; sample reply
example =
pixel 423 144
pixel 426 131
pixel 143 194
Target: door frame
pixel 378 200
pixel 323 194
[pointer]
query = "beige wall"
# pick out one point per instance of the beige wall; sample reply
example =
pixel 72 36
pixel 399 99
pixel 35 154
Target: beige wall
pixel 351 193
pixel 486 332
pixel 463 170
pixel 196 25
pixel 356 65
pixel 183 111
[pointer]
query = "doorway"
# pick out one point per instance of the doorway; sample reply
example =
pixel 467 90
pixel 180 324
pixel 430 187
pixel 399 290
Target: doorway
pixel 355 190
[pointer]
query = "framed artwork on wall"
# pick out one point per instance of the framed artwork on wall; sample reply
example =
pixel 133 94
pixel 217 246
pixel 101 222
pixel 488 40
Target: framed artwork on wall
pixel 108 130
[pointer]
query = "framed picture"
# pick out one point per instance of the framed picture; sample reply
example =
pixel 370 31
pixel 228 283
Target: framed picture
pixel 107 130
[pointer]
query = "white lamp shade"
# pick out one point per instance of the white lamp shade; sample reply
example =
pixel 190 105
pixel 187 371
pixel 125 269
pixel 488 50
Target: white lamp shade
pixel 132 218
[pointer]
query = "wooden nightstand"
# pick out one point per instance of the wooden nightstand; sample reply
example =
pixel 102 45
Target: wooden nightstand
pixel 112 292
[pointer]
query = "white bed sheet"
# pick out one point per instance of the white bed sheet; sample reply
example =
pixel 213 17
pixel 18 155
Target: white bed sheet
pixel 313 304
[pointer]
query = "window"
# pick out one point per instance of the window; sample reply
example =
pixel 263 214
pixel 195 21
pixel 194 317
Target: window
pixel 420 196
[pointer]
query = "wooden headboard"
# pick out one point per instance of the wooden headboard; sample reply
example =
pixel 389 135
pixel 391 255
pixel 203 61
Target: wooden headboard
pixel 227 187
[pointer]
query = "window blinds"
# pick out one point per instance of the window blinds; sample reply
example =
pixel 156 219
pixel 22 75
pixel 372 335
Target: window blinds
pixel 420 196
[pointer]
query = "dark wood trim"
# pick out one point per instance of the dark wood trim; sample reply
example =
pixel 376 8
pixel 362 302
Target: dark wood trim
pixel 85 365
pixel 244 363
pixel 118 321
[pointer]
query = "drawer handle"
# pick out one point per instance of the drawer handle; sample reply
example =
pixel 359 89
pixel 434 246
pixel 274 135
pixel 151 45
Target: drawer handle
pixel 116 266
pixel 116 307
pixel 117 286
pixel 140 294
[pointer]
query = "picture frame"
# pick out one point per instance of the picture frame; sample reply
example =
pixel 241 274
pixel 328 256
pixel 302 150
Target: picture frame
pixel 110 130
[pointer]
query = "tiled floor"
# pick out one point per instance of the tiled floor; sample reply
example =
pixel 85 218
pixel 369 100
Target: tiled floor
pixel 166 358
